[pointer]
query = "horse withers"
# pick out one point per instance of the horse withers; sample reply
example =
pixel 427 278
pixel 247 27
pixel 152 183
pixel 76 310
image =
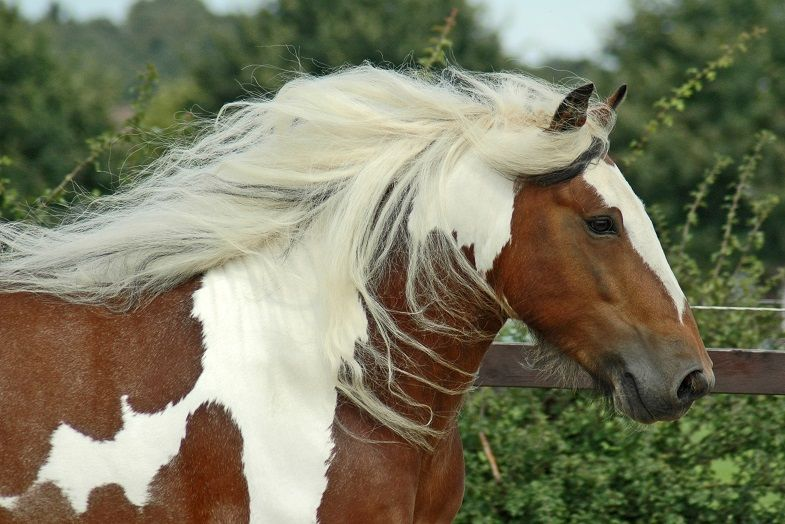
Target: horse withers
pixel 278 323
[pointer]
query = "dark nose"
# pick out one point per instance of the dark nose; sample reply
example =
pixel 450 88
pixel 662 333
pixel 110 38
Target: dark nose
pixel 694 386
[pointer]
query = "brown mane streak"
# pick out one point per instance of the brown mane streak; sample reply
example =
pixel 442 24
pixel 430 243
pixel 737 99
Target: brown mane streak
pixel 596 150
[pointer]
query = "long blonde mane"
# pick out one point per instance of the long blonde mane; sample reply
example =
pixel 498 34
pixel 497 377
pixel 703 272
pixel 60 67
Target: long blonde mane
pixel 347 153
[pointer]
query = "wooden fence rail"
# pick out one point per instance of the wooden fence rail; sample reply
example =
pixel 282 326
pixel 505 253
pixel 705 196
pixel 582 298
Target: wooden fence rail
pixel 751 371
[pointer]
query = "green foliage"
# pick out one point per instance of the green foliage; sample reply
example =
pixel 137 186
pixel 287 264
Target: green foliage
pixel 14 206
pixel 156 30
pixel 562 460
pixel 331 33
pixel 99 145
pixel 734 274
pixel 171 34
pixel 10 202
pixel 436 53
pixel 46 113
pixel 692 85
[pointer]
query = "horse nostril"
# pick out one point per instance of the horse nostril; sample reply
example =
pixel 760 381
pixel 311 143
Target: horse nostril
pixel 694 386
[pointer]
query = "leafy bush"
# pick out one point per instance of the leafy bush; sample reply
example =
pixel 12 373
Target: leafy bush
pixel 46 111
pixel 562 460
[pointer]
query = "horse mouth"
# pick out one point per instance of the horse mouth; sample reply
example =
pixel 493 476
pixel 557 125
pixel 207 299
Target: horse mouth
pixel 611 379
pixel 628 400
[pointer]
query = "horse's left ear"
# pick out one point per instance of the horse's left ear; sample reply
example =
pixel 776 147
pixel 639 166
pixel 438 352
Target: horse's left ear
pixel 571 113
pixel 617 97
pixel 604 112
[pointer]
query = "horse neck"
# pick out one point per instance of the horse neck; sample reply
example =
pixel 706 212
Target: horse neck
pixel 463 354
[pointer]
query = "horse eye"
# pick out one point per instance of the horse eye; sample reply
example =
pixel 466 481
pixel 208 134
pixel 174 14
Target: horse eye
pixel 603 225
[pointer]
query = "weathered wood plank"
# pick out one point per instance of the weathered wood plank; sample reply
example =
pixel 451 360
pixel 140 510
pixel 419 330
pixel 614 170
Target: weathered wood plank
pixel 751 371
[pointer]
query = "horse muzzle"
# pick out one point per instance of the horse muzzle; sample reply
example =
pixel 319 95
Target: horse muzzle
pixel 646 396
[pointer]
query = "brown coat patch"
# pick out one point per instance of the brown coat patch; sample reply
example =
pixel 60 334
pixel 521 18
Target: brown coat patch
pixel 205 481
pixel 71 363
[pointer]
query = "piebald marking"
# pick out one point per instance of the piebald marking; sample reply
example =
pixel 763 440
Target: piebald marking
pixel 262 318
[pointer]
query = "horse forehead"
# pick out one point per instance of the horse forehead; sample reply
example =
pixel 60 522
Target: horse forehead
pixel 614 190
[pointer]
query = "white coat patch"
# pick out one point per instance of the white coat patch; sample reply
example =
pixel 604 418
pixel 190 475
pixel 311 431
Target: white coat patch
pixel 615 191
pixel 263 321
pixel 477 205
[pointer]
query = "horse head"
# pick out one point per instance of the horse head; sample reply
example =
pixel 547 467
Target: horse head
pixel 584 269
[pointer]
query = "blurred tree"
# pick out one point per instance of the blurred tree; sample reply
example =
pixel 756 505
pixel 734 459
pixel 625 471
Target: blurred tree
pixel 317 35
pixel 172 34
pixel 98 49
pixel 46 110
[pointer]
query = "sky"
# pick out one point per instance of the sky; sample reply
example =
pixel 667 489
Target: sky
pixel 533 30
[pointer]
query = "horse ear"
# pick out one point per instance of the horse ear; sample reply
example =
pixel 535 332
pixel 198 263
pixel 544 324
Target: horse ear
pixel 617 97
pixel 571 113
pixel 604 112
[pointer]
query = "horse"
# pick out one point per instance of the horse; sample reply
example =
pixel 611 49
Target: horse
pixel 278 321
